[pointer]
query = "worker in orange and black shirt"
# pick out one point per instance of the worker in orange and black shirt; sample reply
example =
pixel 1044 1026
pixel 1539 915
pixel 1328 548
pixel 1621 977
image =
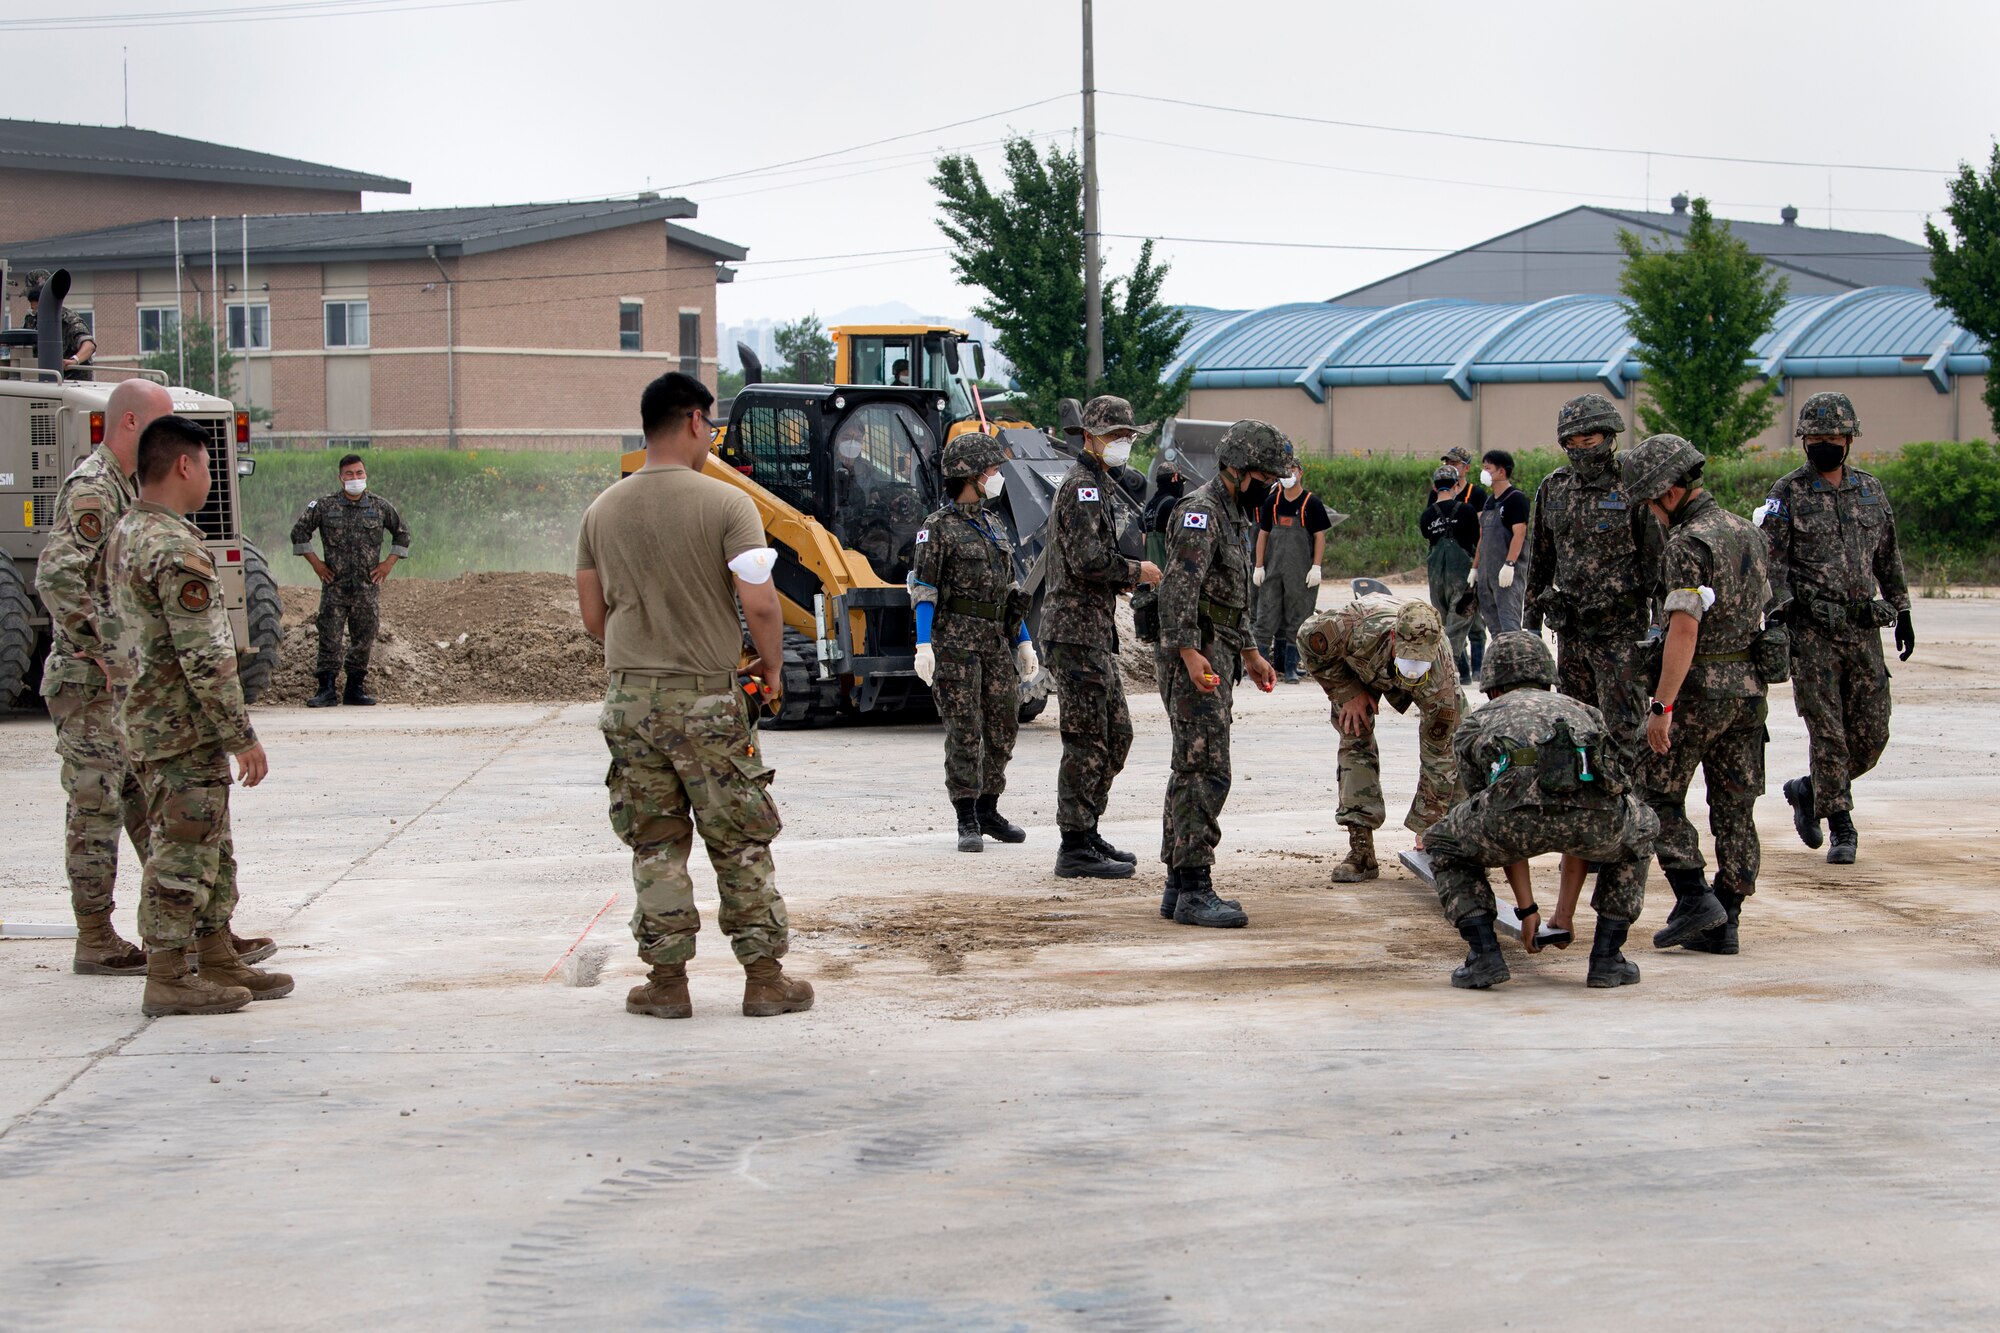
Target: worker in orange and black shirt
pixel 1291 544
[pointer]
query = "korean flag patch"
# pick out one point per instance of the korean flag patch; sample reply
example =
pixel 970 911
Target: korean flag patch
pixel 1087 494
pixel 923 535
pixel 1194 518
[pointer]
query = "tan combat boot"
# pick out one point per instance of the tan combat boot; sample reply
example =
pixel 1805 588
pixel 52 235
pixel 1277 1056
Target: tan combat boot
pixel 767 991
pixel 665 994
pixel 253 950
pixel 172 989
pixel 102 952
pixel 1360 863
pixel 220 964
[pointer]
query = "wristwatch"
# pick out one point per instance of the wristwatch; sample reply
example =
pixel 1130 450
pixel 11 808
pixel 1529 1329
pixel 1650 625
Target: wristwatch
pixel 1658 709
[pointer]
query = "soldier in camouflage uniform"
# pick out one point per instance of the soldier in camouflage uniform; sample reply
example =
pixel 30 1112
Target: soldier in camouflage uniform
pixel 1594 570
pixel 78 344
pixel 1372 649
pixel 1542 779
pixel 973 647
pixel 1708 710
pixel 351 523
pixel 1204 635
pixel 1837 576
pixel 1086 572
pixel 180 708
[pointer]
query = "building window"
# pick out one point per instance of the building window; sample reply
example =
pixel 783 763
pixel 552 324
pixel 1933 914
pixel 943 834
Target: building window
pixel 348 444
pixel 631 326
pixel 346 323
pixel 691 343
pixel 257 336
pixel 156 327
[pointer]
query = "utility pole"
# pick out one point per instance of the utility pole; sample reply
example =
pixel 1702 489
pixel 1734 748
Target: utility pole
pixel 1093 268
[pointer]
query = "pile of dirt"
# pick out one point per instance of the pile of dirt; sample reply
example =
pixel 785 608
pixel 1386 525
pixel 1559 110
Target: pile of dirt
pixel 478 638
pixel 1135 659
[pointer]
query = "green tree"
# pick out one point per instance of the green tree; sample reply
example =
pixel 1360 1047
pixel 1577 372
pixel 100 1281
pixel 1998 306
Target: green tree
pixel 1024 248
pixel 1697 311
pixel 197 341
pixel 1965 273
pixel 807 351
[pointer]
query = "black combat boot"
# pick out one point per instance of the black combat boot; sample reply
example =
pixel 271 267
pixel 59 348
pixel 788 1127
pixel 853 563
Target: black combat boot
pixel 969 836
pixel 329 695
pixel 1172 895
pixel 1799 795
pixel 1106 850
pixel 1696 911
pixel 1483 965
pixel 1078 859
pixel 357 690
pixel 1197 904
pixel 1608 967
pixel 1845 839
pixel 994 824
pixel 1723 938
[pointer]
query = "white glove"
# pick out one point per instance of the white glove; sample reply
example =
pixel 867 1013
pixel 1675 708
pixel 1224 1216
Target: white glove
pixel 1472 576
pixel 1314 575
pixel 1506 579
pixel 926 663
pixel 1024 658
pixel 1257 577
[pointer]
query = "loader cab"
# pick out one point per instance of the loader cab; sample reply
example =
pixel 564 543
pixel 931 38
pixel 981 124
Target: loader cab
pixel 943 360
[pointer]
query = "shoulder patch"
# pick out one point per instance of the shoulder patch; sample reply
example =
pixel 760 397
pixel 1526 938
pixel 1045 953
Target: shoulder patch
pixel 193 596
pixel 1087 494
pixel 312 504
pixel 195 562
pixel 923 535
pixel 1194 518
pixel 90 524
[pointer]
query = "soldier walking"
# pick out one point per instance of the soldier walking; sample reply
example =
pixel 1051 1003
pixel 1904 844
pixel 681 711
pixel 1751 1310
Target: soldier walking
pixel 1542 777
pixel 1708 710
pixel 181 711
pixel 351 523
pixel 1086 572
pixel 973 647
pixel 1594 570
pixel 1837 575
pixel 1291 547
pixel 1372 649
pixel 1203 636
pixel 664 560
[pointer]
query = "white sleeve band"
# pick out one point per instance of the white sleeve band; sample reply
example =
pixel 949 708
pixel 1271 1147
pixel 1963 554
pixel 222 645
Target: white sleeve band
pixel 754 565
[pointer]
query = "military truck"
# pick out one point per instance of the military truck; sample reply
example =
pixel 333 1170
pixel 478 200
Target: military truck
pixel 48 424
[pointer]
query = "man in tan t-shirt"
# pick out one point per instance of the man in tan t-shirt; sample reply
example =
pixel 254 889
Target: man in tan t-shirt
pixel 663 560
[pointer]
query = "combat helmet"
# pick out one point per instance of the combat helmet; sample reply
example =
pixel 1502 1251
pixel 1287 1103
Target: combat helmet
pixel 1107 413
pixel 1586 415
pixel 1515 659
pixel 1827 414
pixel 1254 446
pixel 34 280
pixel 1657 463
pixel 971 454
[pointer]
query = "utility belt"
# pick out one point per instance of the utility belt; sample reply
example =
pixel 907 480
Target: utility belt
pixel 1868 613
pixel 965 606
pixel 1769 654
pixel 707 683
pixel 1221 617
pixel 1561 767
pixel 1562 614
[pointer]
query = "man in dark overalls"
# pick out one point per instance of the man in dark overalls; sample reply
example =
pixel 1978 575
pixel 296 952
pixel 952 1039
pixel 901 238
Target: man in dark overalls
pixel 1291 543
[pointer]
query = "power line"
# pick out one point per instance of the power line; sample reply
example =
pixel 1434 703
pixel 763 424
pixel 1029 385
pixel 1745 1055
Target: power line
pixel 270 13
pixel 1518 143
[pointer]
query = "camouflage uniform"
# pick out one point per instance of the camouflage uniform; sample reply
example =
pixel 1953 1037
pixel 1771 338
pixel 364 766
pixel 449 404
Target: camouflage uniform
pixel 351 530
pixel 103 793
pixel 1509 815
pixel 1594 568
pixel 965 566
pixel 1352 651
pixel 1086 572
pixel 684 757
pixel 75 332
pixel 1718 717
pixel 1834 559
pixel 181 711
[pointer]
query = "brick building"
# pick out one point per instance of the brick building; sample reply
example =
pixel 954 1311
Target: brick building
pixel 516 326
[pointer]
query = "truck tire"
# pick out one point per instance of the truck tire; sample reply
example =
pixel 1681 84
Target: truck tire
pixel 17 633
pixel 266 615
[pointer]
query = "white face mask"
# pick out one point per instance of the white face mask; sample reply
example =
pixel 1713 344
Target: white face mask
pixel 1117 451
pixel 850 449
pixel 354 485
pixel 1485 477
pixel 1291 481
pixel 993 485
pixel 1412 668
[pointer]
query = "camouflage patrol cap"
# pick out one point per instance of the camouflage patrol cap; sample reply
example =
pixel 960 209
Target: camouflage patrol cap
pixel 1656 464
pixel 1419 632
pixel 1107 413
pixel 1458 453
pixel 971 454
pixel 1517 658
pixel 1588 414
pixel 1254 446
pixel 1444 476
pixel 1828 414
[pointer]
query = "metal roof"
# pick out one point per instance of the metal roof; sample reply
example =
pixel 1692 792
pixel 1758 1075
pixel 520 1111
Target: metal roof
pixel 108 150
pixel 318 238
pixel 1582 338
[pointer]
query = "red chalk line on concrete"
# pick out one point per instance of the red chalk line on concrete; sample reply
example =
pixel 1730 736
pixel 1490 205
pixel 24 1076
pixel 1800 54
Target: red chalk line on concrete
pixel 579 939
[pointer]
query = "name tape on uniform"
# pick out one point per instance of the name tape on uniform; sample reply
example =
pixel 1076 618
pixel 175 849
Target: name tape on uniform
pixel 1194 519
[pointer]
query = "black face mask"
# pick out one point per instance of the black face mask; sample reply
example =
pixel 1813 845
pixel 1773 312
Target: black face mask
pixel 1826 457
pixel 1253 495
pixel 1590 464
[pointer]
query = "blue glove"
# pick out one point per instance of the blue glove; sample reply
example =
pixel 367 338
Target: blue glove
pixel 926 613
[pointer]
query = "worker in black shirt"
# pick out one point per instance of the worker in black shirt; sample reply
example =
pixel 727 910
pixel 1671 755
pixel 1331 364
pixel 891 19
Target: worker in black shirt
pixel 1291 546
pixel 1451 526
pixel 1459 459
pixel 1501 563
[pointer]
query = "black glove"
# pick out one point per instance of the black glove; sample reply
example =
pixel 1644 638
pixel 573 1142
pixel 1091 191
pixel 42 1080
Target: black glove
pixel 1906 636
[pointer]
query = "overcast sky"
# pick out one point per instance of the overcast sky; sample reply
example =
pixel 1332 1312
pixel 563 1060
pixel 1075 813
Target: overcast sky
pixel 550 99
